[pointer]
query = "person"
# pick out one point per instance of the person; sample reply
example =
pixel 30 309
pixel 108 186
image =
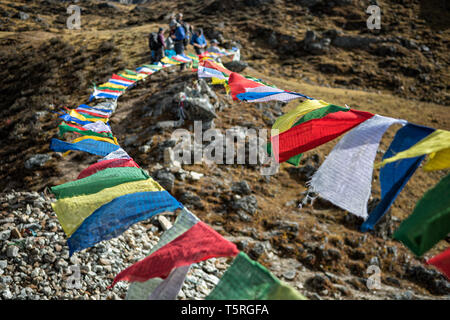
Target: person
pixel 187 29
pixel 198 41
pixel 214 47
pixel 157 45
pixel 178 36
pixel 161 45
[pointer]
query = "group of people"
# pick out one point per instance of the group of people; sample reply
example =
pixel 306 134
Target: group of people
pixel 181 34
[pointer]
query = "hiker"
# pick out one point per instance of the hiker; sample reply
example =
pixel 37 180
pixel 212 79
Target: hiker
pixel 214 47
pixel 187 29
pixel 157 45
pixel 178 36
pixel 198 41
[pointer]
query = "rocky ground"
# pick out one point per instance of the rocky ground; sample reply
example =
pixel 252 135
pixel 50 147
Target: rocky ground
pixel 316 248
pixel 35 263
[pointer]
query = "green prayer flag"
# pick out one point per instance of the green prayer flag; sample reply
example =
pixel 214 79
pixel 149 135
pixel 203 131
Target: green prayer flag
pixel 64 127
pixel 100 180
pixel 430 221
pixel 248 280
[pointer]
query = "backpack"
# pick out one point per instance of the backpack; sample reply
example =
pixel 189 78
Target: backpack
pixel 187 32
pixel 153 42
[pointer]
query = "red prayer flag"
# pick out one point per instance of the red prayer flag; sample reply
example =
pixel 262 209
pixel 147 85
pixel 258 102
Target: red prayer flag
pixel 113 163
pixel 197 244
pixel 316 132
pixel 238 84
pixel 442 262
pixel 116 77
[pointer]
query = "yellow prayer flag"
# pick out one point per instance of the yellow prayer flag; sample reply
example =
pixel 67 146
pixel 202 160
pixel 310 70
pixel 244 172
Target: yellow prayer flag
pixel 71 212
pixel 437 144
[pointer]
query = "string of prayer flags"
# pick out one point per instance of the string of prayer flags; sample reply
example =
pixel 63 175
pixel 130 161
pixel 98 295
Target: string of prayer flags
pixel 199 243
pixel 395 175
pixel 345 177
pixel 437 144
pixel 71 212
pixel 99 148
pixel 98 181
pixel 430 221
pixel 315 132
pixel 105 164
pixel 142 290
pixel 442 262
pixel 113 218
pixel 246 279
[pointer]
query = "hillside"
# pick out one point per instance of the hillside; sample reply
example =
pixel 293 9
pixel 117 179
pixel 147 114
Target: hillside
pixel 400 71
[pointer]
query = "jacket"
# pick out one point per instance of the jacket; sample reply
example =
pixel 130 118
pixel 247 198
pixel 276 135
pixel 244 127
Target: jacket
pixel 198 40
pixel 180 34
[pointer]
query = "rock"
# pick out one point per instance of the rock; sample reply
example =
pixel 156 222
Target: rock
pixel 241 188
pixel 428 278
pixel 15 233
pixel 303 173
pixel 130 140
pixel 289 275
pixel 191 200
pixel 257 250
pixel 7 295
pixel 23 16
pixel 104 261
pixel 12 252
pixel 144 148
pixel 195 176
pixel 36 161
pixel 5 235
pixel 318 283
pixel 247 204
pixel 353 42
pixel 50 257
pixel 236 66
pixel 170 124
pixel 313 45
pixel 3 264
pixel 165 178
pixel 107 5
